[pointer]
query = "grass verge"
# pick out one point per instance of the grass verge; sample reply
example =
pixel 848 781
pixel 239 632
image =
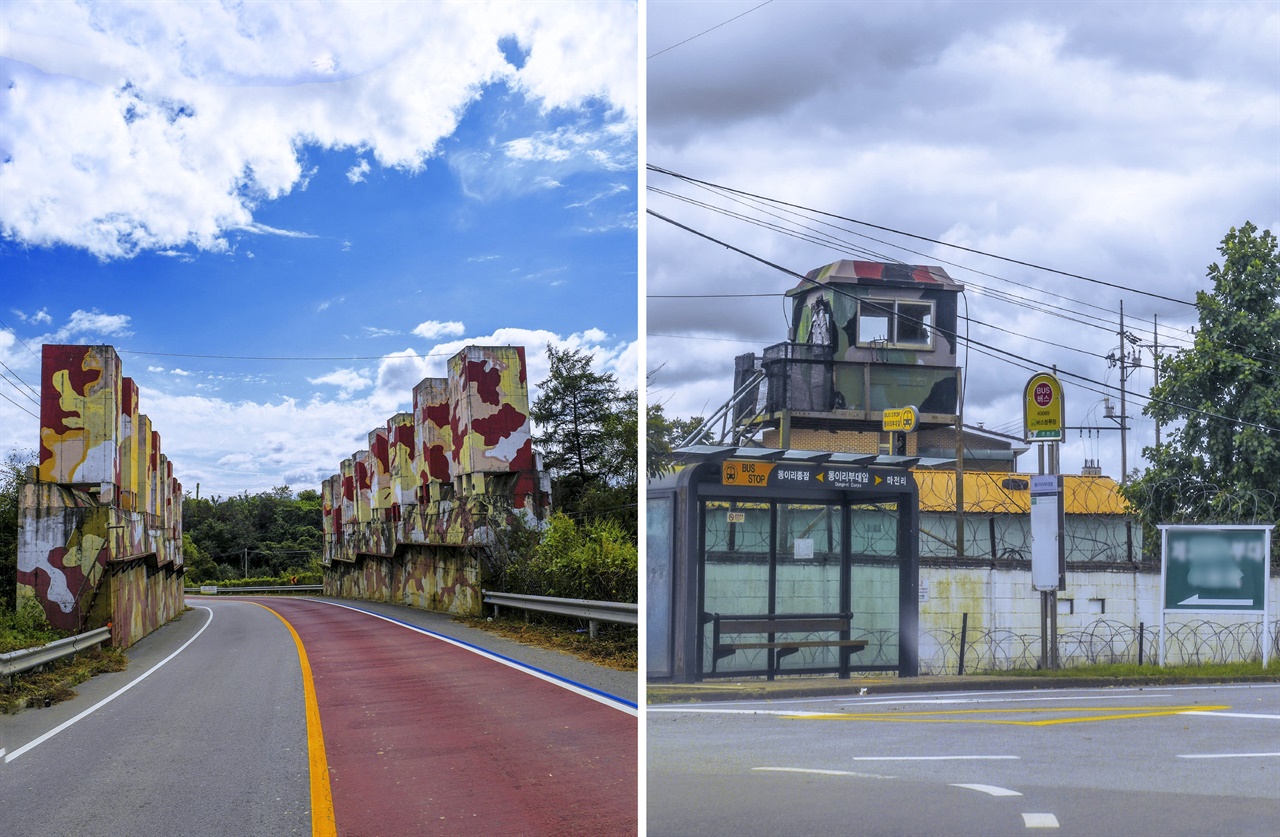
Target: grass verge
pixel 615 646
pixel 56 682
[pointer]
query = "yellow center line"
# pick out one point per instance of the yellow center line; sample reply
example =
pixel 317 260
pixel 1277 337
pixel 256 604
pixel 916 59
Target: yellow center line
pixel 995 716
pixel 323 823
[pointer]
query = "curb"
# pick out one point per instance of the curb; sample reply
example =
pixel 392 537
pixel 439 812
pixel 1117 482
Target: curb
pixel 828 687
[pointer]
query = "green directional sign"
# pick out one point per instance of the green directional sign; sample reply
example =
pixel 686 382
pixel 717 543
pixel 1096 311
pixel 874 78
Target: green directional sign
pixel 1216 568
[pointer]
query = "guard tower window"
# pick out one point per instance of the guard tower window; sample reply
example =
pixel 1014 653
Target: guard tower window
pixel 895 323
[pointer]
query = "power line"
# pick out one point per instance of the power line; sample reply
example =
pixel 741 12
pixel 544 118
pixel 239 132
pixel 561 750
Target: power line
pixel 974 345
pixel 19 378
pixel 19 389
pixel 705 31
pixel 19 406
pixel 1009 259
pixel 1004 296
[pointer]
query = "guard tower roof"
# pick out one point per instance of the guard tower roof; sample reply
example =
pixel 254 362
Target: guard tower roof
pixel 888 274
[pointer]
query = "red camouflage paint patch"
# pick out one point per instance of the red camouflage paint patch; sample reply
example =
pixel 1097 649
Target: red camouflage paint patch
pixel 500 425
pixel 486 378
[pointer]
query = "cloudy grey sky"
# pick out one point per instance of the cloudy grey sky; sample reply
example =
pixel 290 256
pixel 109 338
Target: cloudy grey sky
pixel 1118 141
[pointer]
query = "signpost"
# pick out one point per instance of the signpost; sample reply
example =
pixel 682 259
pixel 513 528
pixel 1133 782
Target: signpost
pixel 898 423
pixel 1042 419
pixel 1215 569
pixel 1048 547
pixel 1042 408
pixel 775 474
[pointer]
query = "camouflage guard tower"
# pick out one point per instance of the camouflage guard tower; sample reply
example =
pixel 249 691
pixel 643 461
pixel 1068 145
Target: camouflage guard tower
pixel 865 337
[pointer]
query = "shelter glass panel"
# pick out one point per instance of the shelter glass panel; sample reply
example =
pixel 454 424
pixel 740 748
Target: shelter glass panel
pixel 810 544
pixel 737 538
pixel 658 582
pixel 874 581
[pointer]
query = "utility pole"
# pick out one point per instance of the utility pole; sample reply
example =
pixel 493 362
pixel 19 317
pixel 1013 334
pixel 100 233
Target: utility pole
pixel 1124 413
pixel 1155 361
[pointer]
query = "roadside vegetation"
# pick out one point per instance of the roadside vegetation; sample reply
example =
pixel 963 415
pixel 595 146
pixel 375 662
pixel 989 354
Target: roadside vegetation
pixel 26 627
pixel 614 646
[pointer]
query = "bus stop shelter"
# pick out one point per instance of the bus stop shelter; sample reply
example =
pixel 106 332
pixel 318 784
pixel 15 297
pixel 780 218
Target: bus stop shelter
pixel 765 562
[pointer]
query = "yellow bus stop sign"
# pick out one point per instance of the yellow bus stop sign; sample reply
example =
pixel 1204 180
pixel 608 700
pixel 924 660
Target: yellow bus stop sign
pixel 1042 408
pixel 903 420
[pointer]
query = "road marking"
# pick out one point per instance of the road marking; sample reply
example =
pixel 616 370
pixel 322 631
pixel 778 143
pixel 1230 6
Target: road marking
pixel 990 790
pixel 1231 756
pixel 323 822
pixel 822 772
pixel 1233 715
pixel 1038 699
pixel 86 713
pixel 607 699
pixel 1039 820
pixel 701 710
pixel 935 758
pixel 991 716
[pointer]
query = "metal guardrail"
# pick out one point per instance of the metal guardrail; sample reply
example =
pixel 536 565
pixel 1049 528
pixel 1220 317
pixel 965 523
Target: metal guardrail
pixel 624 613
pixel 28 658
pixel 215 590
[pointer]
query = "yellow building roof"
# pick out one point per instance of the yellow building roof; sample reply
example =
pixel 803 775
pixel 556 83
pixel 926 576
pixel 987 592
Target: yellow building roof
pixel 991 492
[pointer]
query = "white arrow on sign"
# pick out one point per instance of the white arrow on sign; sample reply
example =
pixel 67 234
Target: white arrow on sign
pixel 1194 600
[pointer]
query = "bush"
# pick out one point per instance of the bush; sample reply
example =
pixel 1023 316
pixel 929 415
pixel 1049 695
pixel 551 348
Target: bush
pixel 25 626
pixel 596 561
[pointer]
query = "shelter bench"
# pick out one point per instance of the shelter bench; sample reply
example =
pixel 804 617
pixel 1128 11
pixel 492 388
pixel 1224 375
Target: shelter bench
pixel 724 625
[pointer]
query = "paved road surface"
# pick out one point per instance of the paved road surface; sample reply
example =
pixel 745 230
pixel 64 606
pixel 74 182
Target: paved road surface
pixel 1161 760
pixel 207 733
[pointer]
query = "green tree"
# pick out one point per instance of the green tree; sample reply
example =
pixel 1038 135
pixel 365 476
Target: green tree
pixel 13 475
pixel 1221 463
pixel 584 421
pixel 663 435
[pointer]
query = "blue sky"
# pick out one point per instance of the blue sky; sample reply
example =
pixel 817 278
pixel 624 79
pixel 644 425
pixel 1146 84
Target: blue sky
pixel 371 188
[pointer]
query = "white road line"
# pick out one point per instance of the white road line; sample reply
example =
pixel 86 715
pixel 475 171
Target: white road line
pixel 935 758
pixel 86 713
pixel 1230 756
pixel 1039 820
pixel 990 790
pixel 822 772
pixel 1072 698
pixel 612 701
pixel 715 710
pixel 1231 715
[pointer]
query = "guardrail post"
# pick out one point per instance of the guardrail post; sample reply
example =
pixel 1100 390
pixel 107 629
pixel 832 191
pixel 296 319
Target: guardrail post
pixel 591 627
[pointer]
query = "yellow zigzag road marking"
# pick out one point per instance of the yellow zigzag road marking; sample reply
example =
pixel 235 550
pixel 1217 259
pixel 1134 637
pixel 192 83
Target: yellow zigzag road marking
pixel 950 716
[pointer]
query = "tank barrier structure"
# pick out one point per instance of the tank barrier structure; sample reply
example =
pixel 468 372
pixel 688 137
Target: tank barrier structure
pixel 413 518
pixel 100 521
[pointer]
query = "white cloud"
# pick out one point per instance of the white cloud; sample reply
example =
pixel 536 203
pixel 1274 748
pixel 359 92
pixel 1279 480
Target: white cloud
pixel 90 323
pixel 432 329
pixel 347 381
pixel 262 229
pixel 1067 135
pixel 133 126
pixel 356 173
pixel 182 373
pixel 229 445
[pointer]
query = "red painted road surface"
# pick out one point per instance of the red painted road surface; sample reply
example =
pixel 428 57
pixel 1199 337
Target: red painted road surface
pixel 424 737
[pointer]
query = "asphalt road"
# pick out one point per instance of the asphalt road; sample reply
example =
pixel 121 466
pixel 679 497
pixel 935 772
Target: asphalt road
pixel 1153 761
pixel 207 733
pixel 211 742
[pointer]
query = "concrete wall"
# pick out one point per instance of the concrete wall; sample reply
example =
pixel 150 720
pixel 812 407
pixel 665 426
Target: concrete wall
pixel 1099 617
pixel 407 519
pixel 100 527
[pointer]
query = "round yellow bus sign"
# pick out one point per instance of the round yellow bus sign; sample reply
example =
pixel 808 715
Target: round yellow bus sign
pixel 1042 408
